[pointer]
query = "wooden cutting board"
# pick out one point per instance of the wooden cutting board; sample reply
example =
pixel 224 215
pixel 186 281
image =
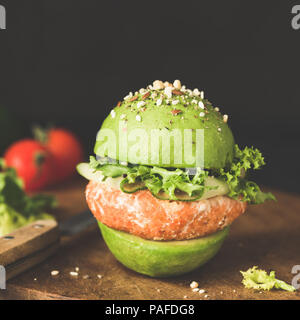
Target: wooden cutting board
pixel 267 236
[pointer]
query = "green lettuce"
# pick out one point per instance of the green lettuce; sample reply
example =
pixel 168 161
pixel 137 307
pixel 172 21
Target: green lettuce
pixel 16 207
pixel 259 279
pixel 169 181
pixel 234 176
pixel 156 179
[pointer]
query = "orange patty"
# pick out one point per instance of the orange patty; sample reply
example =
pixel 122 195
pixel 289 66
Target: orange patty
pixel 143 215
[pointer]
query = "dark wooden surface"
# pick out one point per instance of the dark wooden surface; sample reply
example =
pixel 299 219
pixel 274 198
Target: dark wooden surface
pixel 267 236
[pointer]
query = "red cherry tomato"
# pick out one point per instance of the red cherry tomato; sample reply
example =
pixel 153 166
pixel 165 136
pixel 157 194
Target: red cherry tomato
pixel 67 152
pixel 32 161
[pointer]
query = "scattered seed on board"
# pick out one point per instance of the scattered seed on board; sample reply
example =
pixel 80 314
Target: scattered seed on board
pixel 194 285
pixel 86 276
pixel 201 291
pixel 77 269
pixel 54 273
pixel 195 290
pixel 74 274
pixel 99 276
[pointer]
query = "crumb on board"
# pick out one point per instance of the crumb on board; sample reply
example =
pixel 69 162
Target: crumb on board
pixel 194 284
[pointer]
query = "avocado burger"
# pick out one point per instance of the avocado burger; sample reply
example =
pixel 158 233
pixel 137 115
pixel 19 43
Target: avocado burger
pixel 167 179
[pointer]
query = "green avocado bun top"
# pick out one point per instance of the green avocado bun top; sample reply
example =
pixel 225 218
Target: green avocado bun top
pixel 166 125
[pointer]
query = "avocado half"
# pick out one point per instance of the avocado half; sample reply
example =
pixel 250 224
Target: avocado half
pixel 161 258
pixel 157 123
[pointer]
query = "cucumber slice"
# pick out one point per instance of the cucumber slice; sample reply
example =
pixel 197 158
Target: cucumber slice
pixel 87 172
pixel 132 187
pixel 221 189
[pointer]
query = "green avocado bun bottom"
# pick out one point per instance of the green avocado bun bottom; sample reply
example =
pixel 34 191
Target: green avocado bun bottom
pixel 173 142
pixel 161 258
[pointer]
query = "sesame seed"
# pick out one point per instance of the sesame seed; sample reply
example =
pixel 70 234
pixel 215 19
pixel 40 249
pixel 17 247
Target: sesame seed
pixel 113 113
pixel 140 104
pixel 219 129
pixel 174 102
pixel 158 85
pixel 196 92
pixel 34 279
pixel 201 114
pixel 201 105
pixel 185 297
pixel 86 276
pixel 177 84
pixel 54 273
pixel 206 296
pixel 159 102
pixel 77 269
pixel 221 292
pixel 202 94
pixel 138 117
pixel 225 118
pixel 217 109
pixel 99 276
pixel 201 291
pixel 194 284
pixel 234 291
pixel 158 290
pixel 128 96
pixel 168 92
pixel 74 274
pixel 195 290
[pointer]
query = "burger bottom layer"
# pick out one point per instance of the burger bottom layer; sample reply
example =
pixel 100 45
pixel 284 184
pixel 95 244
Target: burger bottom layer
pixel 145 216
pixel 161 258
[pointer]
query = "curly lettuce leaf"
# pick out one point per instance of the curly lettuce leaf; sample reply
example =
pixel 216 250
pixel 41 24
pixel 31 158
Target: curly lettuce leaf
pixel 259 279
pixel 158 179
pixel 240 187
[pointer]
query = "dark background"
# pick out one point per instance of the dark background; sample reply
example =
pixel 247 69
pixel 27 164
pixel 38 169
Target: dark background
pixel 69 61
